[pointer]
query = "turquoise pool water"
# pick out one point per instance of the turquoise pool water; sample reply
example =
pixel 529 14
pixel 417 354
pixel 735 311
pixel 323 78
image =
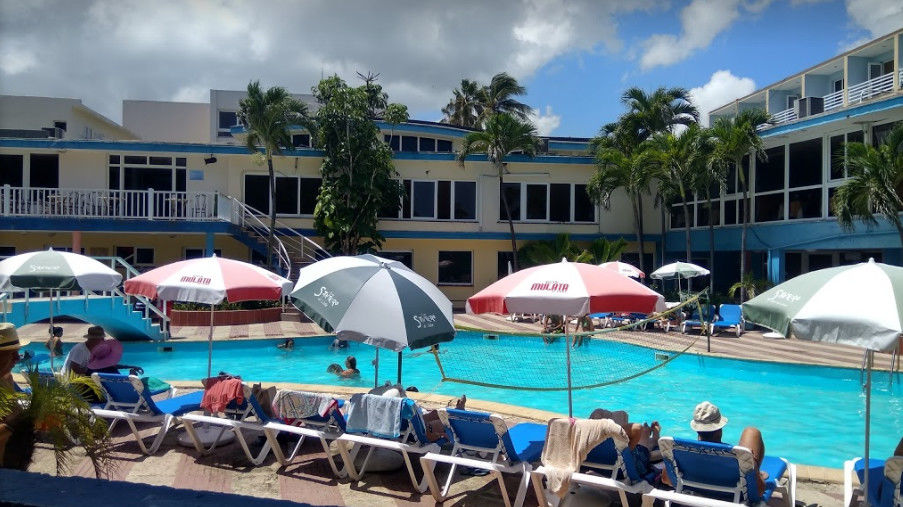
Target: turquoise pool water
pixel 810 415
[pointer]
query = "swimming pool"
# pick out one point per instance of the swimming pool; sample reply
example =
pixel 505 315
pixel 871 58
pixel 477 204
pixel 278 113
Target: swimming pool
pixel 810 415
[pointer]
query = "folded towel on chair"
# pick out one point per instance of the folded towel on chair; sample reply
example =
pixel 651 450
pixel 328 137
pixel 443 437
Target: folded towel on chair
pixel 301 404
pixel 379 416
pixel 568 441
pixel 220 392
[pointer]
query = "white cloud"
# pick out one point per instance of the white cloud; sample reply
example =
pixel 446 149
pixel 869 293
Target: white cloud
pixel 545 121
pixel 104 51
pixel 15 59
pixel 722 88
pixel 879 17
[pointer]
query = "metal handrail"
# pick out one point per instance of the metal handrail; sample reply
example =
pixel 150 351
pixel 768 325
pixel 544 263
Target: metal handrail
pixel 784 116
pixel 870 88
pixel 833 100
pixel 247 218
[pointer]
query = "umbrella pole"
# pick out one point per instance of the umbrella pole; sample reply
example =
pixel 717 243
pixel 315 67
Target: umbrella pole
pixel 399 367
pixel 567 345
pixel 869 357
pixel 52 344
pixel 210 343
pixel 376 369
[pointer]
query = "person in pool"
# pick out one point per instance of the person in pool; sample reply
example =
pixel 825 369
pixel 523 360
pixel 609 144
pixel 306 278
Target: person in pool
pixel 350 370
pixel 288 344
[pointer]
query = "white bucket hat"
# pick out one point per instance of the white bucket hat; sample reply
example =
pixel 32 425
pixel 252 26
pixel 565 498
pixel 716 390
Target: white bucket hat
pixel 707 417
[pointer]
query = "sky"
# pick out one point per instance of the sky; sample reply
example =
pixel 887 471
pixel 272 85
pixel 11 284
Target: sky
pixel 576 57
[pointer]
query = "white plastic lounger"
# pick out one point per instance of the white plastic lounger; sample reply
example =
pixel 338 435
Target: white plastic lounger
pixel 885 481
pixel 508 450
pixel 407 437
pixel 246 416
pixel 322 428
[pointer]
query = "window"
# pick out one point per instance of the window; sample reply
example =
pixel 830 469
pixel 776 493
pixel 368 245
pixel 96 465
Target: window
pixel 505 261
pixel 730 211
pixel 702 213
pixel 301 140
pixel 879 133
pixel 455 268
pixel 805 163
pixel 837 155
pixel 537 202
pixel 465 200
pixel 141 172
pixel 227 120
pixel 394 142
pixel 559 202
pixel 837 85
pixel 136 256
pixel 511 191
pixel 443 146
pixel 584 209
pixel 310 190
pixel 770 173
pixel 423 200
pixel 791 101
pixel 11 170
pixel 197 253
pixel 769 207
pixel 831 192
pixel 60 125
pixel 793 264
pixel 286 195
pixel 406 258
pixel 805 204
pixel 677 217
pixel 257 192
pixel 427 144
pixel 408 143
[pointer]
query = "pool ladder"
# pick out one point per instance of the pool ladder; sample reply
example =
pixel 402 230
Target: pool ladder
pixel 893 373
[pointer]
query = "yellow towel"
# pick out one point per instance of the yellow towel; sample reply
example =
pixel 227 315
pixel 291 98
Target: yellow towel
pixel 568 441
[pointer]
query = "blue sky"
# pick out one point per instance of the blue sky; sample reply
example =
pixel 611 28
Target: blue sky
pixel 576 57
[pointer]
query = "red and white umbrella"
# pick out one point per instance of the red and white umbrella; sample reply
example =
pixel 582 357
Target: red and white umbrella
pixel 209 280
pixel 566 288
pixel 623 268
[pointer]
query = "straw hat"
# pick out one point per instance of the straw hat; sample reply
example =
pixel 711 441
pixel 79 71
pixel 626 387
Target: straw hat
pixel 95 332
pixel 9 338
pixel 105 354
pixel 707 417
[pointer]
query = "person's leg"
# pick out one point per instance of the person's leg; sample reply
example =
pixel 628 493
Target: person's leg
pixel 751 438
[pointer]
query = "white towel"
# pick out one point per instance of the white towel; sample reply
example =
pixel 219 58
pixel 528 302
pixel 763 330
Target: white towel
pixel 379 416
pixel 301 404
pixel 568 441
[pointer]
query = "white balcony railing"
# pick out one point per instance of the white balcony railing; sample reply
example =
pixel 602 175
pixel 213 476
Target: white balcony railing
pixel 783 116
pixel 871 88
pixel 100 203
pixel 833 100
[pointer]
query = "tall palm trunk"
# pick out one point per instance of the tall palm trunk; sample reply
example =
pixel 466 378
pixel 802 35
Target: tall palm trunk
pixel 638 220
pixel 743 232
pixel 708 197
pixel 687 228
pixel 899 227
pixel 510 220
pixel 664 232
pixel 272 211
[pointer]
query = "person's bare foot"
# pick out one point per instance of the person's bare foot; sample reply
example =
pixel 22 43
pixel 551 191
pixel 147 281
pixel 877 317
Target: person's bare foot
pixel 459 404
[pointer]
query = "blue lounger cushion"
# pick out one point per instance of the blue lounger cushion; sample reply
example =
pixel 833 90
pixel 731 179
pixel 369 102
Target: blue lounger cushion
pixel 775 468
pixel 527 440
pixel 181 404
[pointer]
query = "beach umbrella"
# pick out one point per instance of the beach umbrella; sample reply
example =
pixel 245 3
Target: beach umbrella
pixel 55 271
pixel 209 280
pixel 623 268
pixel 376 301
pixel 678 270
pixel 569 289
pixel 859 305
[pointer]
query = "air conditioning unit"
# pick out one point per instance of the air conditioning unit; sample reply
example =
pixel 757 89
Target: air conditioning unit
pixel 807 106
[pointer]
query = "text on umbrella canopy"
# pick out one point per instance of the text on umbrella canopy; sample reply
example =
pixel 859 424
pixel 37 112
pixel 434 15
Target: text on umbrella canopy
pixel 325 297
pixel 424 320
pixel 781 297
pixel 549 286
pixel 37 267
pixel 200 280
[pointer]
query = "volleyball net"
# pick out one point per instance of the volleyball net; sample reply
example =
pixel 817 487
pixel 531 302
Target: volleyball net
pixel 538 362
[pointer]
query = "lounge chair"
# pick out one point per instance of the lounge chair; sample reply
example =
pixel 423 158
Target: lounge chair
pixel 238 417
pixel 128 400
pixel 695 322
pixel 366 426
pixel 613 468
pixel 715 475
pixel 885 483
pixel 729 316
pixel 324 428
pixel 506 450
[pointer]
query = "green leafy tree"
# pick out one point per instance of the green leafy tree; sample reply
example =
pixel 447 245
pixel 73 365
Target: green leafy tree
pixel 465 108
pixel 535 253
pixel 359 179
pixel 268 117
pixel 875 185
pixel 603 250
pixel 710 179
pixel 56 411
pixel 735 138
pixel 749 285
pixel 499 97
pixel 503 134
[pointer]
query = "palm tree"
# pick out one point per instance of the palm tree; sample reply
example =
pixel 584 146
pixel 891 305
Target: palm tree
pixel 875 185
pixel 503 134
pixel 734 139
pixel 465 108
pixel 602 250
pixel 620 166
pixel 536 253
pixel 498 97
pixel 659 111
pixel 711 176
pixel 267 118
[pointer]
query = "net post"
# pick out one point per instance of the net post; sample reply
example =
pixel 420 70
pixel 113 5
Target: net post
pixel 567 345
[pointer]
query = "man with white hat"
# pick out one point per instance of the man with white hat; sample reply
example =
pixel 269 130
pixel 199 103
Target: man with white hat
pixel 11 425
pixel 10 343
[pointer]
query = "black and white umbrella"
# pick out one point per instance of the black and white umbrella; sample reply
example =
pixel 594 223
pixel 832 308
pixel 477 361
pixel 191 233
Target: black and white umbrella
pixel 376 301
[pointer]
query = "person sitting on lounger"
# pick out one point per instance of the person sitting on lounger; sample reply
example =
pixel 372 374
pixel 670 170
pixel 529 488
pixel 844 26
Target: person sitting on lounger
pixel 642 439
pixel 708 424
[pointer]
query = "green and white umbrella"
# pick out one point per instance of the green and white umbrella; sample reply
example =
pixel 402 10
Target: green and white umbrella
pixel 53 270
pixel 859 305
pixel 375 301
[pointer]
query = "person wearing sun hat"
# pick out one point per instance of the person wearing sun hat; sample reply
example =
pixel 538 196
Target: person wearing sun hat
pixel 11 426
pixel 10 343
pixel 78 357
